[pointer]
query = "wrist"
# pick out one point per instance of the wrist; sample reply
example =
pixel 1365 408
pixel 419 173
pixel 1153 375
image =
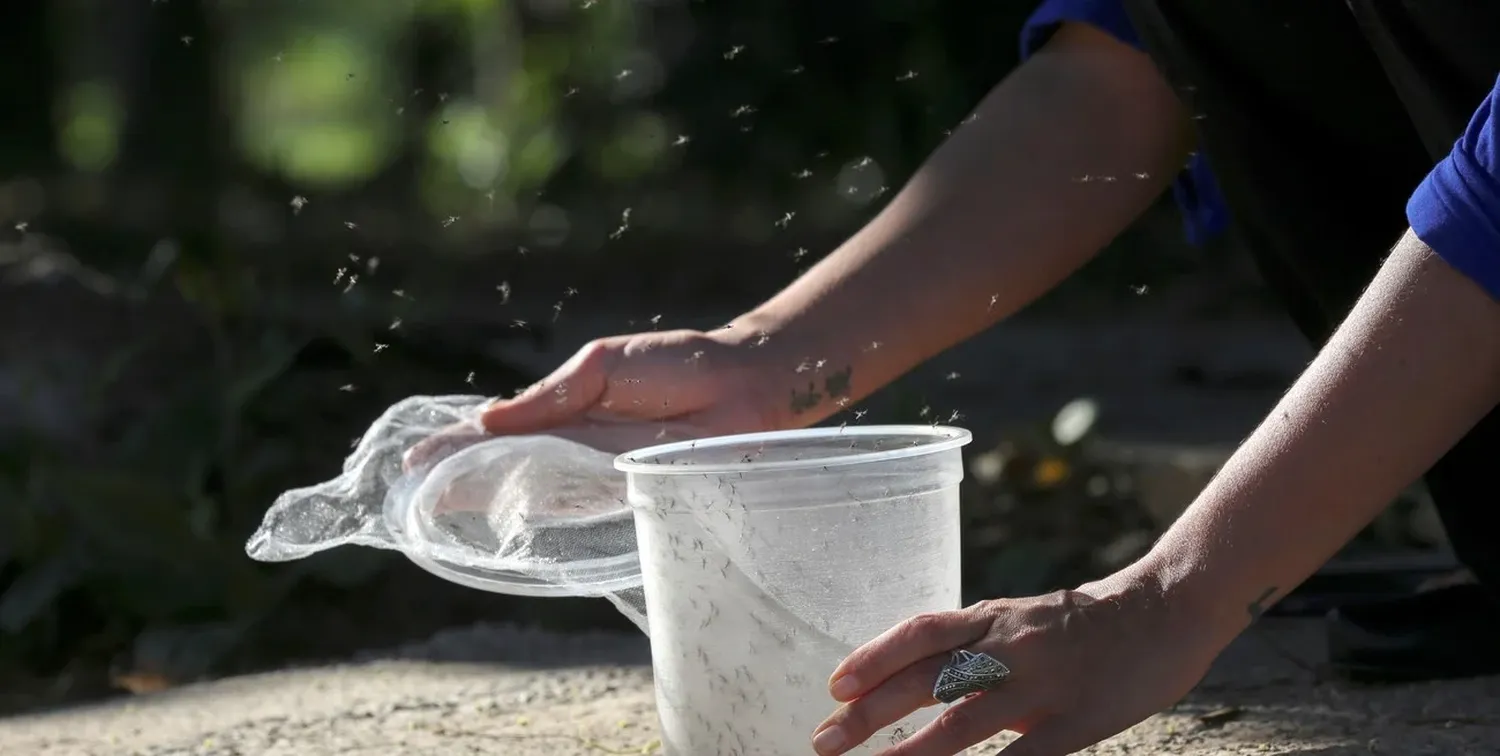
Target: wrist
pixel 762 355
pixel 1175 580
pixel 797 377
pixel 751 329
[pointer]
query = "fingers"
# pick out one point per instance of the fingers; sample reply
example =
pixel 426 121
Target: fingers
pixel 637 376
pixel 441 445
pixel 973 721
pixel 924 635
pixel 569 391
pixel 855 722
pixel 619 436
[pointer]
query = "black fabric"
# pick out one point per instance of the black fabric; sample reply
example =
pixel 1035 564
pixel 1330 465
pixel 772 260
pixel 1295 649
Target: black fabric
pixel 1319 118
pixel 1446 633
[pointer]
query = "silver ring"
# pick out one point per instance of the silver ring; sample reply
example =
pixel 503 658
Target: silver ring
pixel 968 673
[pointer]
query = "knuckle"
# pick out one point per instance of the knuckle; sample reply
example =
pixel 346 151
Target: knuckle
pixel 954 724
pixel 593 353
pixel 1026 639
pixel 855 721
pixel 988 610
pixel 918 686
pixel 586 366
pixel 922 628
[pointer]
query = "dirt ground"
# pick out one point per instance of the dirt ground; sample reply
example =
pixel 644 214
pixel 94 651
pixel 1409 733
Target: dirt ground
pixel 493 689
pixel 477 691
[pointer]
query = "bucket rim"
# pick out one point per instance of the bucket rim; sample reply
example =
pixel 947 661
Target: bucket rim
pixel 934 439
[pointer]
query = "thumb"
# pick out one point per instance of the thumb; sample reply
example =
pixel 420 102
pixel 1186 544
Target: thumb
pixel 571 390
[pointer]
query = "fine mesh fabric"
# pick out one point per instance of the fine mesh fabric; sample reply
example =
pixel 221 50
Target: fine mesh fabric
pixel 529 515
pixel 768 557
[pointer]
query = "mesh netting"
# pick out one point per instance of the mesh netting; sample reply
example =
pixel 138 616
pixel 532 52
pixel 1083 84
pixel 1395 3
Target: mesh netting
pixel 529 515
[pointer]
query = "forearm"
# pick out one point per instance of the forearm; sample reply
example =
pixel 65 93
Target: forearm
pixel 1412 369
pixel 1060 158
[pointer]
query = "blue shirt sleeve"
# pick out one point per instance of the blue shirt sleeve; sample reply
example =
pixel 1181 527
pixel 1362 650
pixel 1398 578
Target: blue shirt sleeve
pixel 1108 15
pixel 1456 209
pixel 1196 191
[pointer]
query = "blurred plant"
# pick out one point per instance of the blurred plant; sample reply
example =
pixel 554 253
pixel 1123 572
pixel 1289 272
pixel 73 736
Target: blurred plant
pixel 127 535
pixel 132 529
pixel 1045 508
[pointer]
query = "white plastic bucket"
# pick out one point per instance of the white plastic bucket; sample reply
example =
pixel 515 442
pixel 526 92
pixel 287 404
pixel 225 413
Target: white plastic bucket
pixel 766 558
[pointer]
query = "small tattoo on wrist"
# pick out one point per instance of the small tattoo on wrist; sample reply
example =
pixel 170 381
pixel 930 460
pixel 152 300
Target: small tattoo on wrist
pixel 835 387
pixel 837 384
pixel 803 401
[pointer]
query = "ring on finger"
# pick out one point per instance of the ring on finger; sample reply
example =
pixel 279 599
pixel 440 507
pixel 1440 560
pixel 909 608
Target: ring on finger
pixel 966 674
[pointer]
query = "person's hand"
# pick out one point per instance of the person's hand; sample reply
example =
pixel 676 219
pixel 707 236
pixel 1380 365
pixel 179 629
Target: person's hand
pixel 1084 665
pixel 625 392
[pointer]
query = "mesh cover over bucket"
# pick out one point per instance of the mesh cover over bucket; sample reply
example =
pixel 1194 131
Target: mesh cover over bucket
pixel 539 515
pixel 524 515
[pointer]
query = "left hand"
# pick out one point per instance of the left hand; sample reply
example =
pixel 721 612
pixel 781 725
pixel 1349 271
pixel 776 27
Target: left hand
pixel 1085 665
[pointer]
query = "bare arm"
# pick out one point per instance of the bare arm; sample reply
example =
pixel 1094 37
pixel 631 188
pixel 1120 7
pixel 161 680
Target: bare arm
pixel 995 218
pixel 1412 369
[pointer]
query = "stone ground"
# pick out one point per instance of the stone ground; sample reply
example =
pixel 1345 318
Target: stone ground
pixel 479 691
pixel 499 690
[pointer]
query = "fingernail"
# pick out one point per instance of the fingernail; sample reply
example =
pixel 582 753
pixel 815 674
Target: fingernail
pixel 844 688
pixel 829 741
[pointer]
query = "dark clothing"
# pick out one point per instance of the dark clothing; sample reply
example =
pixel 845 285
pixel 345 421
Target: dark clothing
pixel 1328 127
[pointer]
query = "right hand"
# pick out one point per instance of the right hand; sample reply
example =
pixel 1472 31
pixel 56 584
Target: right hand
pixel 626 392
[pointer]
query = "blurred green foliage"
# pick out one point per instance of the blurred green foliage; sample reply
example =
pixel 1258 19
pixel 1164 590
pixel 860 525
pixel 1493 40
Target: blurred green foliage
pixel 691 111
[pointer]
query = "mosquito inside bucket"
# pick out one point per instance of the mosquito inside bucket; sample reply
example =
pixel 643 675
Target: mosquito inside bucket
pixel 768 557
